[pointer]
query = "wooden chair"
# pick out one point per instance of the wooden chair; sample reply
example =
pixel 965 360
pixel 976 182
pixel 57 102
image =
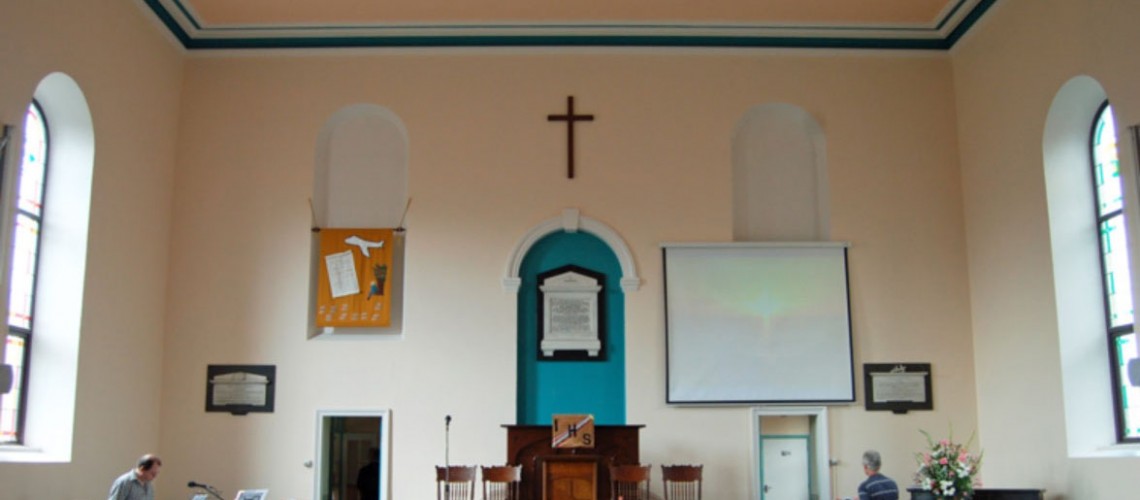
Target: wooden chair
pixel 629 482
pixel 501 482
pixel 682 482
pixel 455 483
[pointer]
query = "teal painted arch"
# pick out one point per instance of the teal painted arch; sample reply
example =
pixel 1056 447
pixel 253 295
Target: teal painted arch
pixel 546 387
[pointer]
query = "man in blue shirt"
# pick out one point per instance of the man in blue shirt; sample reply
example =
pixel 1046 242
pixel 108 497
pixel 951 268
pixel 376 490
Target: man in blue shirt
pixel 135 484
pixel 877 486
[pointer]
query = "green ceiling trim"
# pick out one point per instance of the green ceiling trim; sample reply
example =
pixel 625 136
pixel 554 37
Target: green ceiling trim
pixel 704 40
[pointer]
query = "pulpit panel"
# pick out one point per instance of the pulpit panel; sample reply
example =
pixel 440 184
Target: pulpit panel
pixel 569 479
pixel 530 447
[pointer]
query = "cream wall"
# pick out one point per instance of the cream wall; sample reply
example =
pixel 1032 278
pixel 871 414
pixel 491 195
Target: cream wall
pixel 485 167
pixel 1007 72
pixel 220 276
pixel 131 77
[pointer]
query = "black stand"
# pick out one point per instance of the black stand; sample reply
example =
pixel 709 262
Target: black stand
pixel 446 458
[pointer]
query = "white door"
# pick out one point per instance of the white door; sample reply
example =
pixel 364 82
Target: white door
pixel 784 471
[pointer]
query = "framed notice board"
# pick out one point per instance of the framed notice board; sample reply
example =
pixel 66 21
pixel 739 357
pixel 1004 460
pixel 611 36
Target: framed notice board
pixel 354 288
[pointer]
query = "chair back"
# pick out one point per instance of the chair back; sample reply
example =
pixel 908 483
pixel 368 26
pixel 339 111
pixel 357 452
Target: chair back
pixel 629 482
pixel 501 482
pixel 682 482
pixel 456 482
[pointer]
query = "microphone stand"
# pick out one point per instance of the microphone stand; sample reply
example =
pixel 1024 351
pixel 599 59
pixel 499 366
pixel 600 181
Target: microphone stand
pixel 446 458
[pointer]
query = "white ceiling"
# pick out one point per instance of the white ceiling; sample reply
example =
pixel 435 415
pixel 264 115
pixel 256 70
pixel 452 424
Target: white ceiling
pixel 890 24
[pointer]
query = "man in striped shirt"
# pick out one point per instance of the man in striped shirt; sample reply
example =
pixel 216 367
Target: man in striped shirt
pixel 135 484
pixel 877 486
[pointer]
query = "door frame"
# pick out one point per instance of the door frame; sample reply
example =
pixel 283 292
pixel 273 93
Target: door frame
pixel 817 417
pixel 321 454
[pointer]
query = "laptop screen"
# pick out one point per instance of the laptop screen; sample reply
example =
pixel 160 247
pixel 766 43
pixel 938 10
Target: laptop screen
pixel 251 495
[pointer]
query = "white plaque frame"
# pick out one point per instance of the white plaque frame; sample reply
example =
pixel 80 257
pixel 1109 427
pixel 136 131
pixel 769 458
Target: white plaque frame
pixel 570 314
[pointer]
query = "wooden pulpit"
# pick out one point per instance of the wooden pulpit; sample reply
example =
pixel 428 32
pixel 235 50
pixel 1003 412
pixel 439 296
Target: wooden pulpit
pixel 550 473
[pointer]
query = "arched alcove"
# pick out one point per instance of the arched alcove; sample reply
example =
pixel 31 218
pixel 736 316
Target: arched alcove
pixel 62 271
pixel 1076 264
pixel 779 176
pixel 547 386
pixel 361 174
pixel 360 180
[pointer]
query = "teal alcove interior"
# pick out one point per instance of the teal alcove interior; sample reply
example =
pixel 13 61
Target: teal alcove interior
pixel 546 388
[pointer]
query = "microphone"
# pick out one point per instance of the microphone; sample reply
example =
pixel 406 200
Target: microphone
pixel 447 420
pixel 209 489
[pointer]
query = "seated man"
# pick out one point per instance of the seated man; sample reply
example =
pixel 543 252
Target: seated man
pixel 877 486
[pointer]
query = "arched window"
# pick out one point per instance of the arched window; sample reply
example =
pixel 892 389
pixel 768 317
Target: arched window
pixel 46 215
pixel 22 278
pixel 1117 282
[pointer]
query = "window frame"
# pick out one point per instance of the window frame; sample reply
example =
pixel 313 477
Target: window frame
pixel 27 334
pixel 1112 333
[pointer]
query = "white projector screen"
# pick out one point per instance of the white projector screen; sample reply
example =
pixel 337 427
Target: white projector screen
pixel 757 323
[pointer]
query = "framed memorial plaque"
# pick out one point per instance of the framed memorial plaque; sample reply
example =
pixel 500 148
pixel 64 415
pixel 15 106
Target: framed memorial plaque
pixel 240 389
pixel 898 387
pixel 571 314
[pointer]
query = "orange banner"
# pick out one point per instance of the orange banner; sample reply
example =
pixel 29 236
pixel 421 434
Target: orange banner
pixel 354 286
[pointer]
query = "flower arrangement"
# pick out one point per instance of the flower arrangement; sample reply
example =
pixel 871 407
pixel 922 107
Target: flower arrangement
pixel 948 469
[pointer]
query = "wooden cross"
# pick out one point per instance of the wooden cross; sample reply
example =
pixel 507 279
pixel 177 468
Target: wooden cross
pixel 570 118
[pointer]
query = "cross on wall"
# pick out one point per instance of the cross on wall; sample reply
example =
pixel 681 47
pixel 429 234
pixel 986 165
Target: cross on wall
pixel 570 118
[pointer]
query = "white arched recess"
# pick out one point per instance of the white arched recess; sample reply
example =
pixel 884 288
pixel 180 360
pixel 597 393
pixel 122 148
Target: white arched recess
pixel 1087 394
pixel 779 176
pixel 360 180
pixel 572 221
pixel 54 361
pixel 360 174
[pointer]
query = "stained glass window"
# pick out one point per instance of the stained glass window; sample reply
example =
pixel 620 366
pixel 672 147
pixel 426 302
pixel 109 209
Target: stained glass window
pixel 22 286
pixel 1109 194
pixel 1129 395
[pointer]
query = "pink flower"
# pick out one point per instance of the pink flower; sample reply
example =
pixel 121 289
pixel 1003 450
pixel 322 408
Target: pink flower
pixel 943 461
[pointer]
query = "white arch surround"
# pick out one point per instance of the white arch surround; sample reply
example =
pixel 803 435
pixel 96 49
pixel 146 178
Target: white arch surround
pixel 1087 399
pixel 54 362
pixel 572 221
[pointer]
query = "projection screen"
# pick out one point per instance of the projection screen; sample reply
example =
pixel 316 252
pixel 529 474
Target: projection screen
pixel 757 323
